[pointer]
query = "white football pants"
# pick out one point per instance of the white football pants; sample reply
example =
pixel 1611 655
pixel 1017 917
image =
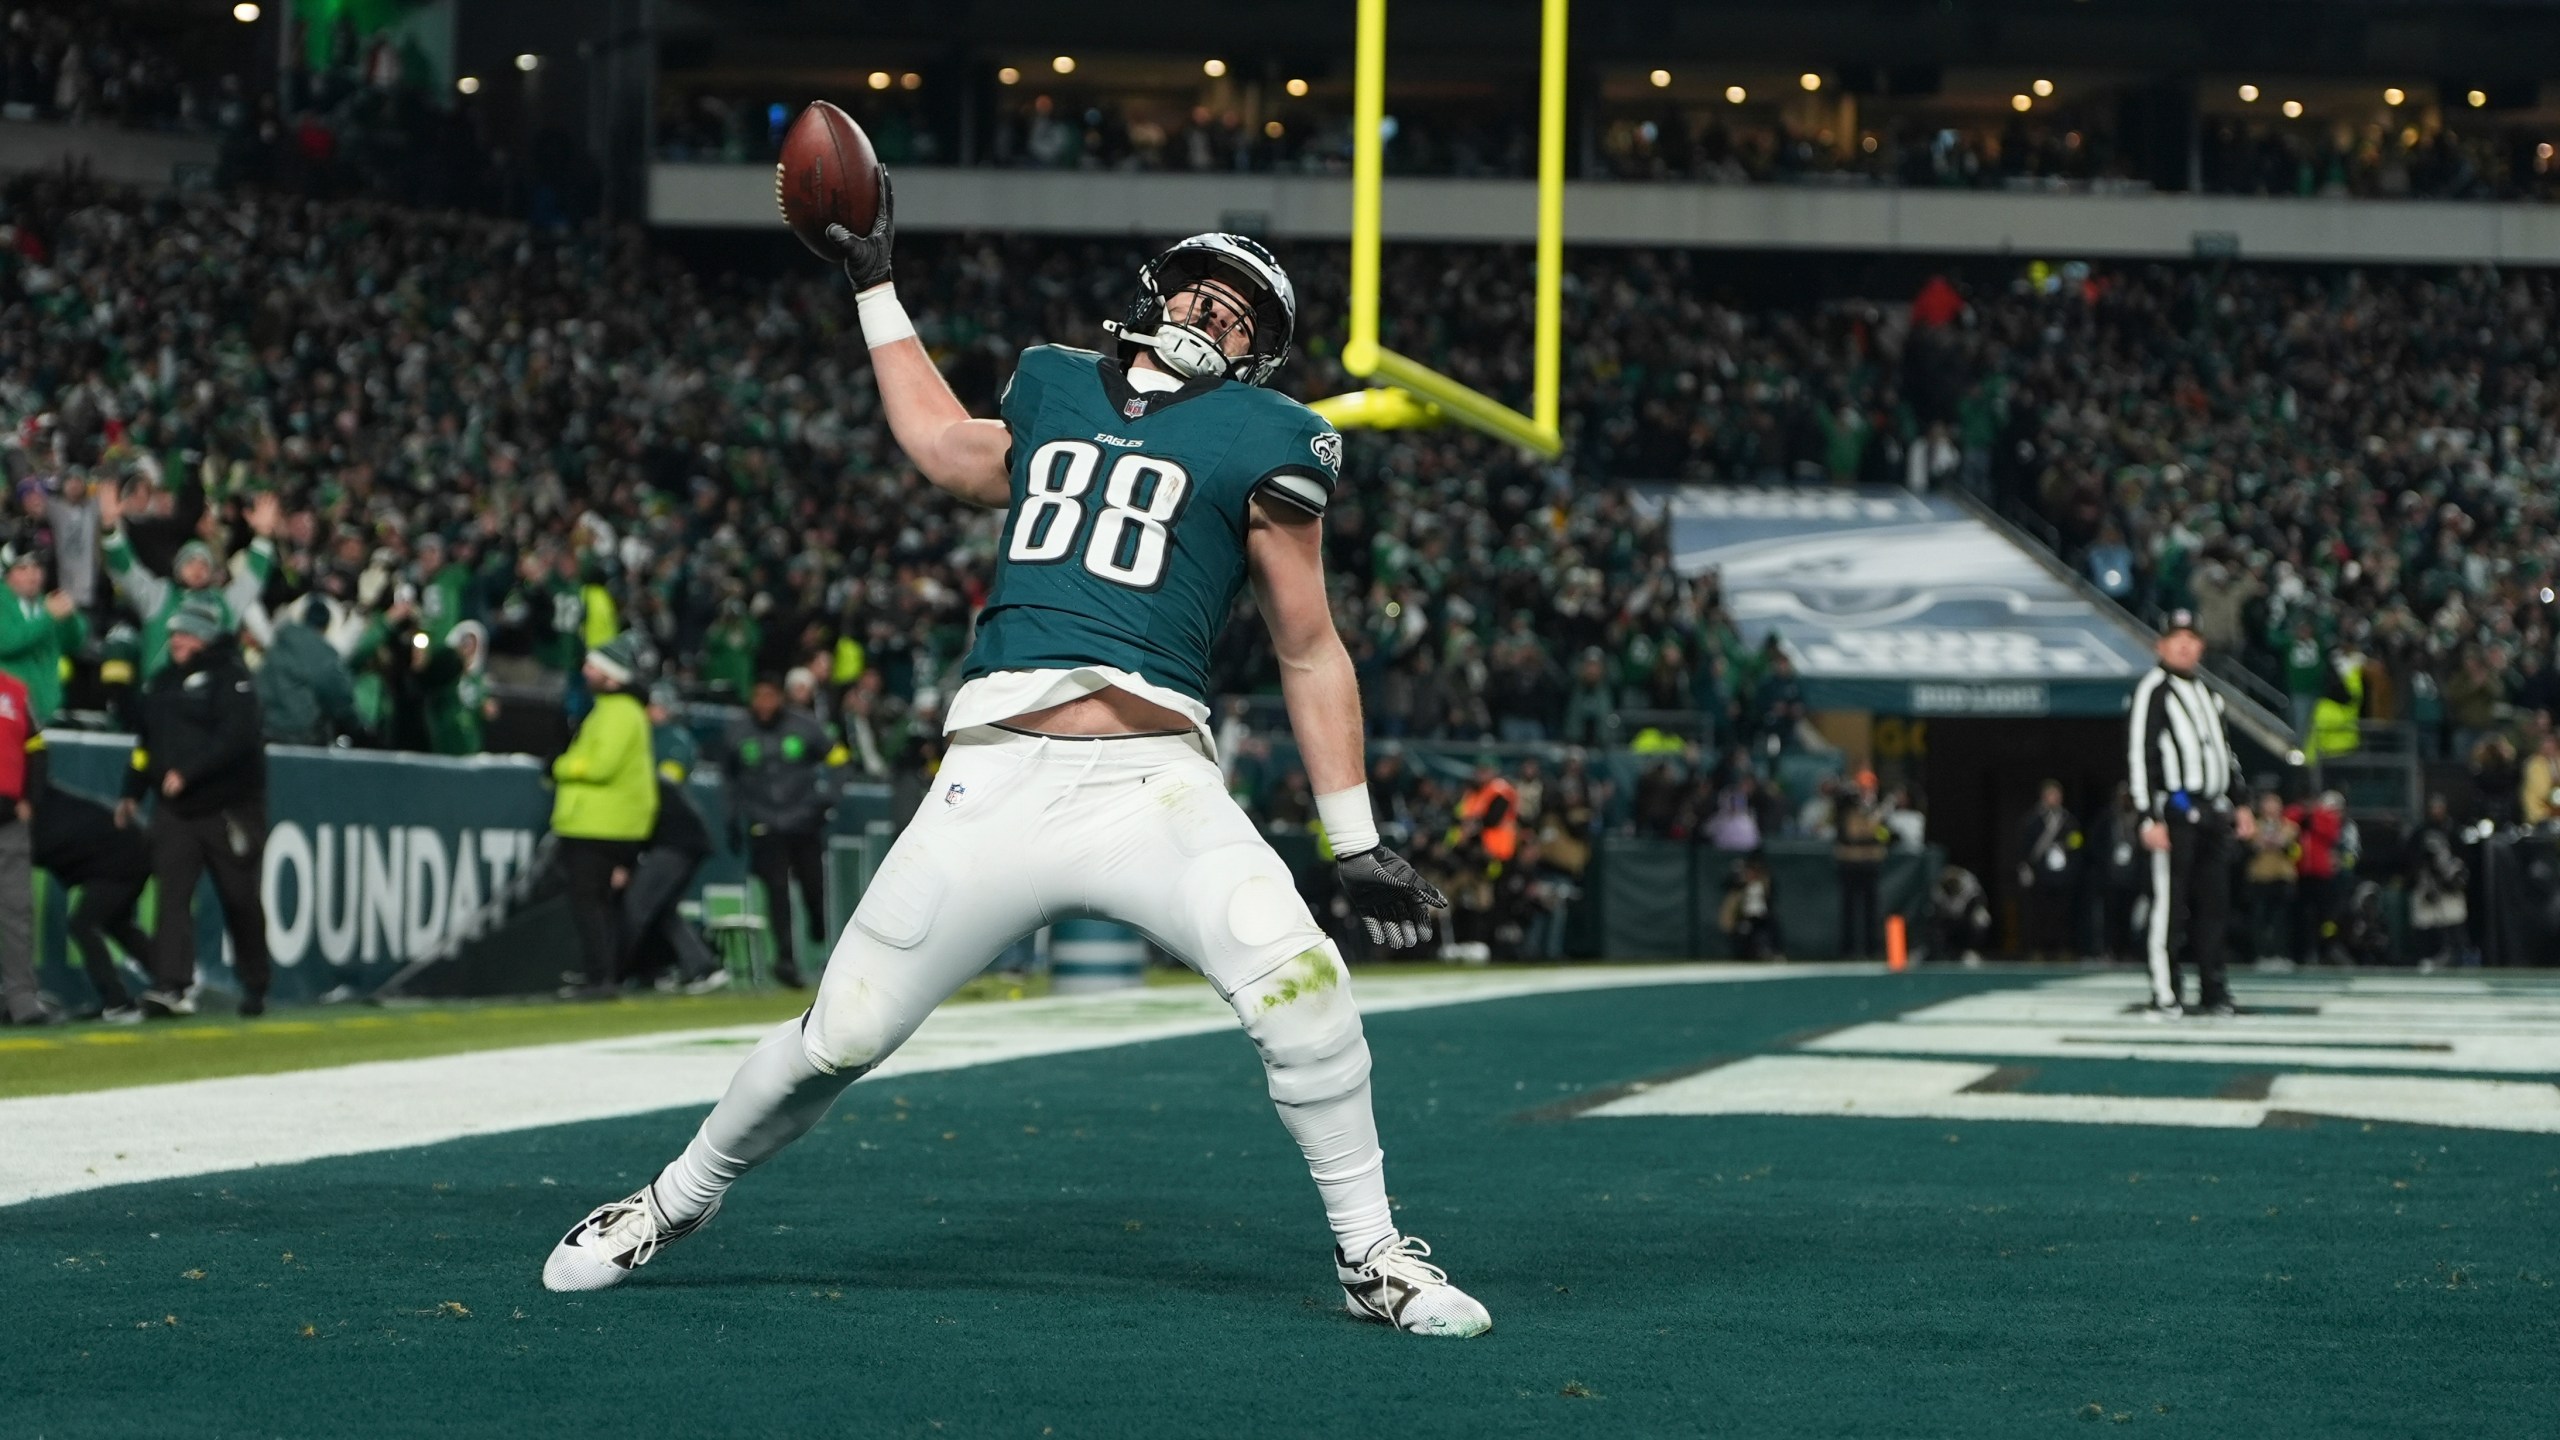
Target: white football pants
pixel 1018 831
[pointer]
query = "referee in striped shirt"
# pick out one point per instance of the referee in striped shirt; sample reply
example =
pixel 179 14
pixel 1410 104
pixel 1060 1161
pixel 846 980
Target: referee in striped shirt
pixel 2188 782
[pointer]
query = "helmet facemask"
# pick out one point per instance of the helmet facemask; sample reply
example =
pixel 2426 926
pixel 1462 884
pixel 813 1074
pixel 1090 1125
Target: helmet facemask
pixel 1195 346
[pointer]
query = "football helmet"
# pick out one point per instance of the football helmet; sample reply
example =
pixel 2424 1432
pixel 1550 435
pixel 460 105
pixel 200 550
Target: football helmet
pixel 1191 352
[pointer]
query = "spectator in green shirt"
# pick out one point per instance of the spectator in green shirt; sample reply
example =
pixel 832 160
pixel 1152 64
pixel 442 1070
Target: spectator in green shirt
pixel 455 677
pixel 36 630
pixel 194 576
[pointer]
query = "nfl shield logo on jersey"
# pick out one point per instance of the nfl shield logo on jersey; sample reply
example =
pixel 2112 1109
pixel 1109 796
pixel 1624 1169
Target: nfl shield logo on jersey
pixel 1134 406
pixel 953 795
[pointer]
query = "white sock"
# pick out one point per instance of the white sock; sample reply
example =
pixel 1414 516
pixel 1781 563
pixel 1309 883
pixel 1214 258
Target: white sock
pixel 773 1100
pixel 1339 1137
pixel 694 1181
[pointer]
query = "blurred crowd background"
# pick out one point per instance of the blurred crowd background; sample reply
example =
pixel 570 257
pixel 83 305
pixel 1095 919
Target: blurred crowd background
pixel 427 438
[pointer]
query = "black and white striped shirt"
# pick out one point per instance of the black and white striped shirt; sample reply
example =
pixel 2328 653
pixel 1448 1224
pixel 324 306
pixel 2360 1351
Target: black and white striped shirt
pixel 2177 744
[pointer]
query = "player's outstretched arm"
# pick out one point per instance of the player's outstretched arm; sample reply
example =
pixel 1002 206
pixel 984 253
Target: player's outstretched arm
pixel 964 456
pixel 1286 552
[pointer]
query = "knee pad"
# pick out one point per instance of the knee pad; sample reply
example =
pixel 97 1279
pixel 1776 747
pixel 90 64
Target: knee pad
pixel 1302 1018
pixel 853 1023
pixel 1239 907
pixel 841 1044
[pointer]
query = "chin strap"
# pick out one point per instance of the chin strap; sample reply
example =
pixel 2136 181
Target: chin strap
pixel 1185 351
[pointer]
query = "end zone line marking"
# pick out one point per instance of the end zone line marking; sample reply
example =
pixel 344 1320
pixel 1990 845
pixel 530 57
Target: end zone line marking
pixel 61 1144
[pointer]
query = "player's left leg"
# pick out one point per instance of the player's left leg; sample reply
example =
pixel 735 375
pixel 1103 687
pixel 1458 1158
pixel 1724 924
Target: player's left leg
pixel 1231 912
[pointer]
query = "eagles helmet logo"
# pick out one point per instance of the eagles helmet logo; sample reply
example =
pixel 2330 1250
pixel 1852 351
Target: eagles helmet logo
pixel 1328 448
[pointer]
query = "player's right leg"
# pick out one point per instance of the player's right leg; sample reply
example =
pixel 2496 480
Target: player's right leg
pixel 947 901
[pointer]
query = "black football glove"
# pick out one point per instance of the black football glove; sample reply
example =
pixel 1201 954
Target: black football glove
pixel 1393 901
pixel 866 257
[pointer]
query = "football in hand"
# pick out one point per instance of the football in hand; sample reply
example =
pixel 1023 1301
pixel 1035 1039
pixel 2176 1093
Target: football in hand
pixel 828 176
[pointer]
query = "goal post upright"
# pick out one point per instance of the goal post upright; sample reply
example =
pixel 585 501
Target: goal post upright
pixel 1408 392
pixel 1550 323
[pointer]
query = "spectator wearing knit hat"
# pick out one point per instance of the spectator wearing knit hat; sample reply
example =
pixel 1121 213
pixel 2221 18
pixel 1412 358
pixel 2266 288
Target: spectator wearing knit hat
pixel 606 807
pixel 192 579
pixel 200 749
pixel 36 630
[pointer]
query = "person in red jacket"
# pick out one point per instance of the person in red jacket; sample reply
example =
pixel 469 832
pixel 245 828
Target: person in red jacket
pixel 2322 823
pixel 21 776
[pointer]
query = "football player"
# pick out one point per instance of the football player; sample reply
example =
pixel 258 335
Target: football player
pixel 1142 490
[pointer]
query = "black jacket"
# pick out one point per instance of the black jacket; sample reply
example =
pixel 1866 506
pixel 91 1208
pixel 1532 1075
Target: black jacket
pixel 202 721
pixel 777 773
pixel 77 841
pixel 680 826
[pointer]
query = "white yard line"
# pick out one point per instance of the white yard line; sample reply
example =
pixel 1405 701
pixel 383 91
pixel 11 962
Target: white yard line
pixel 59 1144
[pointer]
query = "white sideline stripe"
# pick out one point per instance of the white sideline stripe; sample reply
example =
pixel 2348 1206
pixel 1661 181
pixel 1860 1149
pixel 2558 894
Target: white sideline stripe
pixel 2185 1041
pixel 2352 1023
pixel 61 1144
pixel 1866 1088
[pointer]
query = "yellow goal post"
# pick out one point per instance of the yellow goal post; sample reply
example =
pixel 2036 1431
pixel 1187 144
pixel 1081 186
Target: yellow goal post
pixel 1405 392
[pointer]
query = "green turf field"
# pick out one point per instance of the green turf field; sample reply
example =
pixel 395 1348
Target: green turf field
pixel 1122 1242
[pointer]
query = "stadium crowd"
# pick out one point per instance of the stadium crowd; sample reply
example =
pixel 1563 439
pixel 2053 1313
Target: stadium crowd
pixel 434 480
pixel 1663 142
pixel 2347 477
pixel 91 64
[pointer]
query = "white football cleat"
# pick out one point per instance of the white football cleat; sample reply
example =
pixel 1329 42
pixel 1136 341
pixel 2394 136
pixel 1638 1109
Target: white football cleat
pixel 603 1249
pixel 1396 1286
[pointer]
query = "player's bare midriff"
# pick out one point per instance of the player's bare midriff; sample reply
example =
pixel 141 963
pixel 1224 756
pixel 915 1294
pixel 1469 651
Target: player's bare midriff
pixel 1104 712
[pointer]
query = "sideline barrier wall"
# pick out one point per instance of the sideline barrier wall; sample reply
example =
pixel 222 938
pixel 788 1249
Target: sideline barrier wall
pixel 374 859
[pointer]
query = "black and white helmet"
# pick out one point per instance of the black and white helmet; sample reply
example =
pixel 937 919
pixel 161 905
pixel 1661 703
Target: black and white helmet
pixel 1190 353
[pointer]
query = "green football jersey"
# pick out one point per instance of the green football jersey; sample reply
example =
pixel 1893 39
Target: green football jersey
pixel 1125 542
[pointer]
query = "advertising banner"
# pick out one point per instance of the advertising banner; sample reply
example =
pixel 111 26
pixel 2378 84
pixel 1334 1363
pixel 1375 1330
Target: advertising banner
pixel 1903 604
pixel 372 858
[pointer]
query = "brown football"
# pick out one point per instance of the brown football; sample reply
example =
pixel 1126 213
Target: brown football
pixel 828 176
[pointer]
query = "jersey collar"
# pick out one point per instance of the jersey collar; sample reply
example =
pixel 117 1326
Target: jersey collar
pixel 1131 403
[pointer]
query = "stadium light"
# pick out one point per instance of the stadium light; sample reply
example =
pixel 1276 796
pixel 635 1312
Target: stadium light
pixel 1063 64
pixel 1661 79
pixel 2394 95
pixel 468 84
pixel 1297 87
pixel 245 12
pixel 528 63
pixel 2293 109
pixel 2043 88
pixel 879 80
pixel 2248 94
pixel 1008 76
pixel 1274 129
pixel 2020 103
pixel 2542 151
pixel 911 81
pixel 1735 94
pixel 1214 69
pixel 2478 98
pixel 1809 80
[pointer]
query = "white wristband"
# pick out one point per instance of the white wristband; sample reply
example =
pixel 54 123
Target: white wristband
pixel 884 320
pixel 1349 828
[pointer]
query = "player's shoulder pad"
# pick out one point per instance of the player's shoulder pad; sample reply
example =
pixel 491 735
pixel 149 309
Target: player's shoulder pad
pixel 1302 457
pixel 1039 367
